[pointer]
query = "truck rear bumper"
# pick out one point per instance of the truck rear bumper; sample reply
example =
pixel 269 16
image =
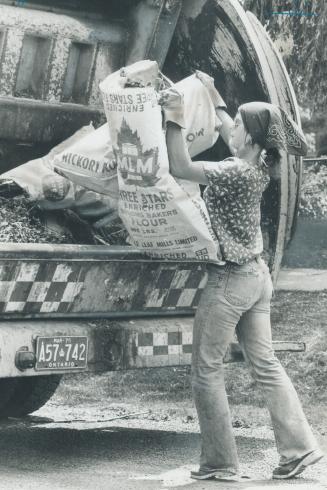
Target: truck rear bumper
pixel 112 345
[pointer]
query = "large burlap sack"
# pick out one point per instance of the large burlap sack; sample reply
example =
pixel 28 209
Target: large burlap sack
pixel 161 218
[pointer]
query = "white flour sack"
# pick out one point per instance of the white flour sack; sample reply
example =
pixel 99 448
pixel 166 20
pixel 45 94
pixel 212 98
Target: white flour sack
pixel 161 218
pixel 51 191
pixel 41 183
pixel 89 162
pixel 201 122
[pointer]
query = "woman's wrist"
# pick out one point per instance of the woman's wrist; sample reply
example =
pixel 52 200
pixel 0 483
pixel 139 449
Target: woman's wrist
pixel 226 123
pixel 221 109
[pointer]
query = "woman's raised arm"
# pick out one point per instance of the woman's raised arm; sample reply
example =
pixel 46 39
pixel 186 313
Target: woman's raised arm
pixel 180 162
pixel 219 104
pixel 227 125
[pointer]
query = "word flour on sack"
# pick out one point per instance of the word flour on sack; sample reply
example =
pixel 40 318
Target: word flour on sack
pixel 161 218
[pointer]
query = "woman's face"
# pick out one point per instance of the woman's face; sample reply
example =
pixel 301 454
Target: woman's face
pixel 238 135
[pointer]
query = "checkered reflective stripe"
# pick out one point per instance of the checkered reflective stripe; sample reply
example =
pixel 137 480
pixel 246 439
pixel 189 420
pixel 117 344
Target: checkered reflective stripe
pixel 39 287
pixel 43 287
pixel 177 287
pixel 164 343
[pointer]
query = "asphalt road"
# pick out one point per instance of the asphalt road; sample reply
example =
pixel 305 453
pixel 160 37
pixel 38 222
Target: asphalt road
pixel 65 452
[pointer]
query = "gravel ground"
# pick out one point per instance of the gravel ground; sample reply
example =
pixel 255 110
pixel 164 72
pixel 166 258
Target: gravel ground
pixel 255 440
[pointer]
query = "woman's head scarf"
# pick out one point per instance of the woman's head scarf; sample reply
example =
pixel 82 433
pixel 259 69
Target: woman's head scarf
pixel 271 127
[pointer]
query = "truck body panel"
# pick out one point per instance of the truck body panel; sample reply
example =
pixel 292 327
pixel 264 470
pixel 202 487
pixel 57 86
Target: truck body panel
pixel 53 55
pixel 62 281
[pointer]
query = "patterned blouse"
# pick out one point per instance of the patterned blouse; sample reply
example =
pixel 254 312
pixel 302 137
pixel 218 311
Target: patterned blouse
pixel 233 199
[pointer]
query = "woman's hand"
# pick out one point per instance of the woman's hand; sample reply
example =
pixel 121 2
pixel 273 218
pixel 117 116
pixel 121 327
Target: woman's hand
pixel 220 106
pixel 180 162
pixel 172 105
pixel 209 84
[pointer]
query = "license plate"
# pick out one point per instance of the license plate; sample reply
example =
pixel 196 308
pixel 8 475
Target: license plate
pixel 61 352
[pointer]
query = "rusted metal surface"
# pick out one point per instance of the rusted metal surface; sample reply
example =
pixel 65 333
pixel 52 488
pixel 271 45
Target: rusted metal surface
pixel 154 23
pixel 168 342
pixel 47 281
pixel 105 344
pixel 113 345
pixel 145 18
pixel 55 60
pixel 213 36
pixel 18 335
pixel 25 29
pixel 42 122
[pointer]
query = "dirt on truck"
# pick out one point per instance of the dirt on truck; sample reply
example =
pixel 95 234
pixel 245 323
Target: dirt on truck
pixel 69 308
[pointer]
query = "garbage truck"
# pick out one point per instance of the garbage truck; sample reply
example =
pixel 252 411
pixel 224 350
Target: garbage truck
pixel 92 308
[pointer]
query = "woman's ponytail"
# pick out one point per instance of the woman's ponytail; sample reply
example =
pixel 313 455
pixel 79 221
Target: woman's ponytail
pixel 271 157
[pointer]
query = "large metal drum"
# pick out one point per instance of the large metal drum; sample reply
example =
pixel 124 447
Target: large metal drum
pixel 219 38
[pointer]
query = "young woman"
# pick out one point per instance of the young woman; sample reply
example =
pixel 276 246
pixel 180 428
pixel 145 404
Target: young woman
pixel 238 293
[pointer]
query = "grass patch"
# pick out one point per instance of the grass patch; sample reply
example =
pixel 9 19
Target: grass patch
pixel 295 316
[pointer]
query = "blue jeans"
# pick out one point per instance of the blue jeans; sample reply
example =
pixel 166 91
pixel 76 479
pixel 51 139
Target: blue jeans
pixel 238 297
